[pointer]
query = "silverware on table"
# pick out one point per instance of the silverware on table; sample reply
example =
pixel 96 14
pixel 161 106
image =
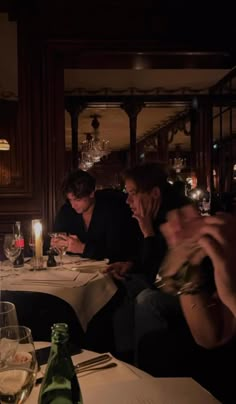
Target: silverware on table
pixel 93 361
pixel 89 364
pixel 96 368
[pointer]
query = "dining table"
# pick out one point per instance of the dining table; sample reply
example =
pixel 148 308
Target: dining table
pixel 125 384
pixel 79 282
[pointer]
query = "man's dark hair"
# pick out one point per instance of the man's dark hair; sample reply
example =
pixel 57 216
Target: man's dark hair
pixel 79 183
pixel 147 176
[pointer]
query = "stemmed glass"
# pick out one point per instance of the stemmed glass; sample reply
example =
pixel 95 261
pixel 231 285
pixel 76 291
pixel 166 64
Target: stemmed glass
pixel 10 248
pixel 60 244
pixel 18 365
pixel 8 314
pixel 32 245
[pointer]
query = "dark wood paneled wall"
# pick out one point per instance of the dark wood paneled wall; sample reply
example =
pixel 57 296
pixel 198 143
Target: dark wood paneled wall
pixel 9 175
pixel 38 152
pixel 16 186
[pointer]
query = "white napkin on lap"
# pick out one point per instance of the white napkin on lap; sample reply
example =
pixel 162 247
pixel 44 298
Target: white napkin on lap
pixel 89 266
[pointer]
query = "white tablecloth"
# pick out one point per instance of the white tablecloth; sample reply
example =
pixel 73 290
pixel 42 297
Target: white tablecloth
pixel 81 284
pixel 126 384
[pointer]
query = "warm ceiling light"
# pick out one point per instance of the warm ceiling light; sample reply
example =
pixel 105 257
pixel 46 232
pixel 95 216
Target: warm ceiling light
pixel 4 145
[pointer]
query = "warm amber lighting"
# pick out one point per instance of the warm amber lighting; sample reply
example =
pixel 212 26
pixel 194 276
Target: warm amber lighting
pixel 37 235
pixel 4 145
pixel 234 172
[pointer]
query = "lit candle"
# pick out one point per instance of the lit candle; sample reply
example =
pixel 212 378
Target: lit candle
pixel 37 231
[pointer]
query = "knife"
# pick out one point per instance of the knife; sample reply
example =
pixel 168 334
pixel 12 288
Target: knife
pixel 95 360
pixel 89 362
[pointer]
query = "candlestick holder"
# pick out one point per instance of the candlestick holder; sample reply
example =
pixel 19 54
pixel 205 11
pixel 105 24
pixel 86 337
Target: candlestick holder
pixel 37 241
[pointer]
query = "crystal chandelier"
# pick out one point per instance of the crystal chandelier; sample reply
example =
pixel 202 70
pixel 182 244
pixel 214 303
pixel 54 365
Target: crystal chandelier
pixel 4 145
pixel 178 163
pixel 92 149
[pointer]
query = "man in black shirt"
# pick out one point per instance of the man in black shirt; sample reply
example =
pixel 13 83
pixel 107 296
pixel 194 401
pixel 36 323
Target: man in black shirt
pixel 99 224
pixel 150 198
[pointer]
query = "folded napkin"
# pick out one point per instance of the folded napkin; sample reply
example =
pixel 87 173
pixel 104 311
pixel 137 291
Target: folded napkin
pixel 55 278
pixel 49 275
pixel 74 263
pixel 88 266
pixel 72 259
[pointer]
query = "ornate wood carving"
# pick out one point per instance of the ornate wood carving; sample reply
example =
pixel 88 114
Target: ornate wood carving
pixel 132 108
pixel 74 108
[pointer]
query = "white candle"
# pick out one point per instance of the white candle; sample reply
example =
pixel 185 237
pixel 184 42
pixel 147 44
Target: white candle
pixel 37 229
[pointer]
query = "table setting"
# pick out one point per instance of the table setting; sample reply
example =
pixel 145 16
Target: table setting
pixel 102 377
pixel 105 379
pixel 80 282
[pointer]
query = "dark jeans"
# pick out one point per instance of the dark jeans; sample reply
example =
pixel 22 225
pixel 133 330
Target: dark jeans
pixel 143 309
pixel 155 311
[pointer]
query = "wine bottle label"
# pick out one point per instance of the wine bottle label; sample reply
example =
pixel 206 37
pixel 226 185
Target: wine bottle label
pixel 20 242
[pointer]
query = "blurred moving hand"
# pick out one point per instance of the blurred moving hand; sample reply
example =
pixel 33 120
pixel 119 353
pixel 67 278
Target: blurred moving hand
pixel 119 270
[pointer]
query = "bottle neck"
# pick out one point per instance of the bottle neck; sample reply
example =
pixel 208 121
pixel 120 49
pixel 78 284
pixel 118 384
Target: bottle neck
pixel 59 344
pixel 18 228
pixel 59 349
pixel 20 238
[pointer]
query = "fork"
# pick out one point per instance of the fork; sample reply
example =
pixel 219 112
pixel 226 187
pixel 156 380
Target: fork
pixel 87 369
pixel 94 361
pixel 96 368
pixel 89 364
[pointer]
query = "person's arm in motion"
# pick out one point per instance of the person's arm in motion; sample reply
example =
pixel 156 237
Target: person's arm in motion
pixel 210 322
pixel 217 239
pixel 211 318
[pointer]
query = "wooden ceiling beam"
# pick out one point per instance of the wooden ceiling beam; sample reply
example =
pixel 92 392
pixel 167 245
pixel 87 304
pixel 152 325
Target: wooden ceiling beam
pixel 155 100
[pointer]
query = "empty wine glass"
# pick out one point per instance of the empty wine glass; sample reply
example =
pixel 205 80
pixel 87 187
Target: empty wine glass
pixel 60 244
pixel 11 250
pixel 8 314
pixel 32 245
pixel 18 365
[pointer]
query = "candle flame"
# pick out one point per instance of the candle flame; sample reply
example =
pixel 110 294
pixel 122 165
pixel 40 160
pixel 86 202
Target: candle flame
pixel 37 229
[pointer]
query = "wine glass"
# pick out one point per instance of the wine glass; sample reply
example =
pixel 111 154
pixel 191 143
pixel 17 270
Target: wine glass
pixel 60 244
pixel 32 244
pixel 8 314
pixel 18 365
pixel 180 270
pixel 11 250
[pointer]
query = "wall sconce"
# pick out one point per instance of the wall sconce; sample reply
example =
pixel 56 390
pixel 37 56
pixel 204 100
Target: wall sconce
pixel 4 145
pixel 234 172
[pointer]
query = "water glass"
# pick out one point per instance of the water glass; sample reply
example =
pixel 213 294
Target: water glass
pixel 60 244
pixel 8 314
pixel 180 270
pixel 18 365
pixel 11 250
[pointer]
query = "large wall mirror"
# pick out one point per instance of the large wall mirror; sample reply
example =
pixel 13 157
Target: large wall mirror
pixel 166 93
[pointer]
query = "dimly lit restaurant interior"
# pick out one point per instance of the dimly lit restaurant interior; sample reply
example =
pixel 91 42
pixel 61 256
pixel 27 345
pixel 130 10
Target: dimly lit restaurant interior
pixel 117 202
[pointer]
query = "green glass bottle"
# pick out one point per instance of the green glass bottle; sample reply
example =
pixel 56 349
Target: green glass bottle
pixel 60 384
